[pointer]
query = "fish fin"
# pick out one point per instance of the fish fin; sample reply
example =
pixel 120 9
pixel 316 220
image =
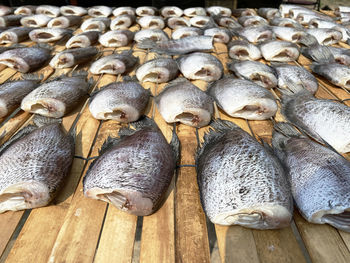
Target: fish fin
pixel 147 44
pixel 308 40
pixel 108 143
pixel 143 122
pixel 44 45
pixel 81 73
pixel 33 76
pixel 318 53
pixel 40 121
pixel 175 144
pixel 18 46
pixel 128 78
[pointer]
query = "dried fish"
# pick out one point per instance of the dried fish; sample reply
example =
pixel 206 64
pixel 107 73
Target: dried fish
pixel 177 22
pixel 195 11
pixel 243 50
pixel 186 32
pixel 25 10
pixel 5 10
pixel 268 13
pixel 219 10
pixel 238 12
pixel 10 20
pixel 294 35
pixel 152 22
pixel 202 21
pixel 325 36
pixel 227 22
pixel 171 11
pixel 286 22
pixel 158 70
pixel 151 34
pixel 252 21
pixel 116 38
pixel 15 35
pixel 64 21
pixel 84 39
pixel 146 11
pixel 124 10
pixel 336 73
pixel 123 22
pixel 281 51
pixel 100 24
pixel 100 11
pixel 49 10
pixel 44 35
pixel 255 34
pixel 35 20
pixel 220 35
pixel 70 57
pixel 72 10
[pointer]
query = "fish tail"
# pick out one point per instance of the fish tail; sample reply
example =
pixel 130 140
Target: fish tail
pixel 318 53
pixel 80 73
pixel 40 121
pixel 307 40
pixel 147 44
pixel 45 46
pixel 175 144
pixel 143 122
pixel 33 76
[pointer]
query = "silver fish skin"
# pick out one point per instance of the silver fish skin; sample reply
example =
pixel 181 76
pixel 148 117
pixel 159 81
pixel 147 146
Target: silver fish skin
pixel 294 35
pixel 243 50
pixel 238 12
pixel 70 57
pixel 152 22
pixel 156 35
pixel 116 38
pixel 85 39
pixel 318 177
pixel 33 167
pixel 219 10
pixel 336 73
pixel 122 22
pixel 35 20
pixel 318 53
pixel 200 66
pixel 227 22
pixel 341 55
pixel 56 98
pixel 5 10
pixel 290 76
pixel 243 99
pixel 260 73
pixel 323 119
pixel 146 11
pixel 25 10
pixel 72 10
pixel 179 46
pixel 177 22
pixel 286 22
pixel 294 12
pixel 305 18
pixel 12 93
pixel 186 32
pixel 181 101
pixel 284 9
pixel 340 9
pixel 114 64
pixel 133 173
pixel 171 11
pixel 100 11
pixel 195 11
pixel 44 35
pixel 240 181
pixel 256 34
pixel 158 70
pixel 15 35
pixel 64 21
pixel 220 35
pixel 281 51
pixel 100 24
pixel 49 10
pixel 121 101
pixel 252 21
pixel 268 13
pixel 25 59
pixel 10 20
pixel 325 36
pixel 202 21
pixel 319 23
pixel 124 10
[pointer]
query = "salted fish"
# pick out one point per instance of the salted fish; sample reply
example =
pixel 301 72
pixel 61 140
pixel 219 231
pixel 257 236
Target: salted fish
pixel 158 70
pixel 319 23
pixel 290 76
pixel 341 55
pixel 268 13
pixel 220 35
pixel 85 39
pixel 294 12
pixel 243 99
pixel 5 10
pixel 318 53
pixel 255 34
pixel 186 32
pixel 238 12
pixel 219 10
pixel 146 11
pixel 323 119
pixel 10 20
pixel 134 172
pixel 294 35
pixel 318 177
pixel 33 166
pixel 25 59
pixel 201 66
pixel 49 10
pixel 15 35
pixel 35 20
pixel 72 10
pixel 116 38
pixel 336 73
pixel 181 101
pixel 150 34
pixel 44 35
pixel 25 10
pixel 286 22
pixel 70 57
pixel 281 51
pixel 226 21
pixel 325 36
pixel 252 21
pixel 240 181
pixel 243 50
pixel 100 11
pixel 195 11
pixel 121 101
pixel 56 98
pixel 285 8
pixel 96 23
pixel 152 22
pixel 177 22
pixel 12 93
pixel 171 11
pixel 114 64
pixel 122 22
pixel 179 46
pixel 64 21
pixel 124 10
pixel 255 71
pixel 202 21
pixel 305 18
pixel 341 9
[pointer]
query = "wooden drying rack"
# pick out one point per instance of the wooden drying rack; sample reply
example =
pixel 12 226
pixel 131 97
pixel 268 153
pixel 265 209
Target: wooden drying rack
pixel 77 229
